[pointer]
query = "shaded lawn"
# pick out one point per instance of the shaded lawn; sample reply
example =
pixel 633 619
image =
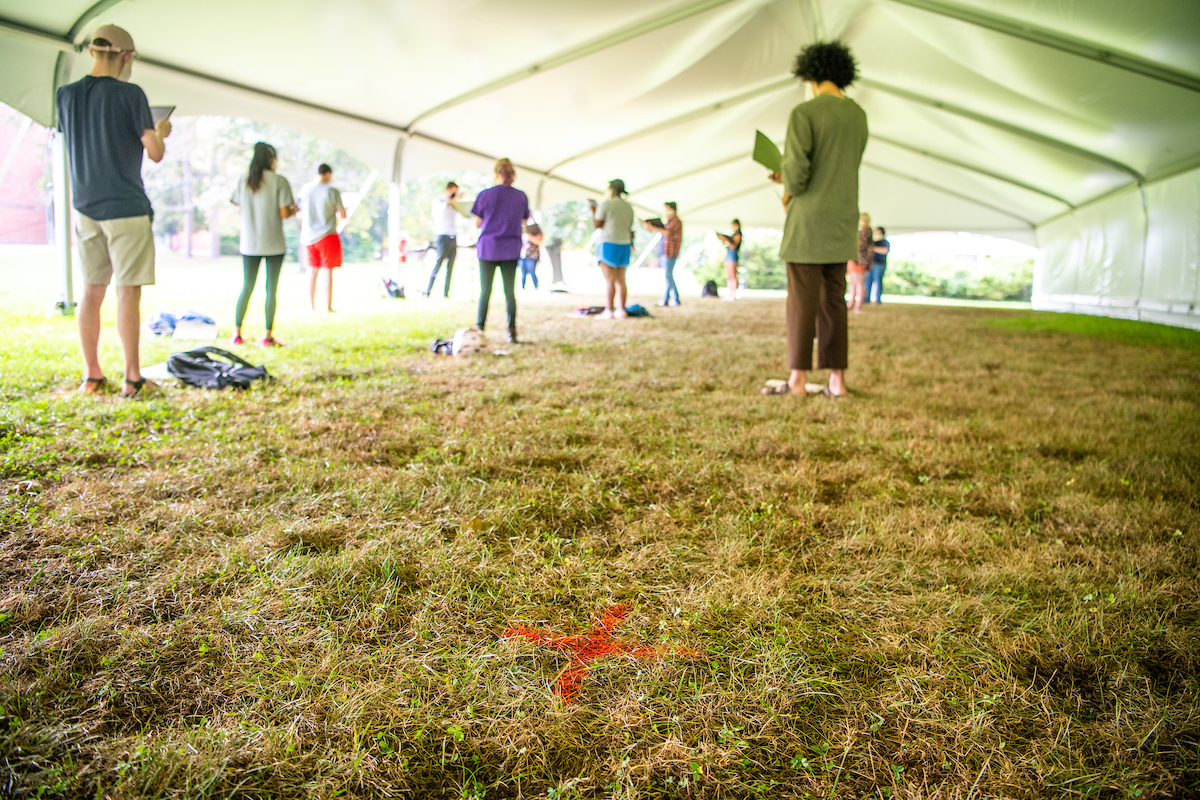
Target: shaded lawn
pixel 976 578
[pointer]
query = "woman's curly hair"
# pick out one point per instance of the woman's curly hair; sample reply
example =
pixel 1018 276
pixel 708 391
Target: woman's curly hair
pixel 826 61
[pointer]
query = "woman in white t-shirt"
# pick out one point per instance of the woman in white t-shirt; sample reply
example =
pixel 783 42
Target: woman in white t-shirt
pixel 265 201
pixel 615 219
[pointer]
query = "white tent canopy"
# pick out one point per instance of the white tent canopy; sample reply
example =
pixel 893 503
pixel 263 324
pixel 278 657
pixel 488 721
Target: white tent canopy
pixel 1072 125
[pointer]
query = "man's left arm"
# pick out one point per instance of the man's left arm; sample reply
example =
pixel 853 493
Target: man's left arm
pixel 152 135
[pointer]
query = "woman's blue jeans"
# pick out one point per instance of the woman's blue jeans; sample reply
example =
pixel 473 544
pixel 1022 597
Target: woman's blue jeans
pixel 528 270
pixel 669 263
pixel 875 283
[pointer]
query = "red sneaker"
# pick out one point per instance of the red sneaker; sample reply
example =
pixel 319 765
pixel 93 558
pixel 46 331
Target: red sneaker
pixel 237 340
pixel 270 341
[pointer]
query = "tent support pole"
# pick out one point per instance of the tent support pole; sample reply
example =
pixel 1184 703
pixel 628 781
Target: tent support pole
pixel 1145 244
pixel 362 192
pixel 646 250
pixel 393 226
pixel 64 304
pixel 395 254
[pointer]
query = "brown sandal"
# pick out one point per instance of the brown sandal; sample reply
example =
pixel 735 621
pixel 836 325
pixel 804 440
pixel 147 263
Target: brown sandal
pixel 138 385
pixel 95 386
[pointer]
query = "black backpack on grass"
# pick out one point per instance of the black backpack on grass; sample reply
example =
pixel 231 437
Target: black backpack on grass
pixel 709 290
pixel 199 368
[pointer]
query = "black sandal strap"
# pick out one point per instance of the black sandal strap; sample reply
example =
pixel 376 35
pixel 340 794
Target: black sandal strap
pixel 95 380
pixel 138 384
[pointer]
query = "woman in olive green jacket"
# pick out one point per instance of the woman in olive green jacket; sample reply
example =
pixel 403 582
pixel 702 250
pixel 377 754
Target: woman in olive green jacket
pixel 825 140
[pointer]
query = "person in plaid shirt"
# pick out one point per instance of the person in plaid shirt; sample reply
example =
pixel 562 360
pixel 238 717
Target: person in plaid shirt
pixel 531 251
pixel 672 234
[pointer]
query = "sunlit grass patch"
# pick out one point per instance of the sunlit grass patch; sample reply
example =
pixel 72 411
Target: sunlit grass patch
pixel 1122 330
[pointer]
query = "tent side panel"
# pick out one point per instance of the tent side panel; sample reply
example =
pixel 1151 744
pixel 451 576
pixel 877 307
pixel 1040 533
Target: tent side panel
pixel 1173 246
pixel 1055 272
pixel 1120 258
pixel 1112 234
pixel 28 84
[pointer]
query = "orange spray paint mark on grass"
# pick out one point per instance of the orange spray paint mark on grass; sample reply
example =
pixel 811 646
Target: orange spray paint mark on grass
pixel 588 647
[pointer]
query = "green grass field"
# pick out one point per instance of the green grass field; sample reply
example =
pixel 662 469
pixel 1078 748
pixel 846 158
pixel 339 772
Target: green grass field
pixel 976 577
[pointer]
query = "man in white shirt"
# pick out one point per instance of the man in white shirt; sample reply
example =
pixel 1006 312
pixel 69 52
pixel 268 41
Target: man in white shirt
pixel 321 205
pixel 445 217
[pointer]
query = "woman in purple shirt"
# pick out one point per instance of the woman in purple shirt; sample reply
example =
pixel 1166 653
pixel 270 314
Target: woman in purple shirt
pixel 500 213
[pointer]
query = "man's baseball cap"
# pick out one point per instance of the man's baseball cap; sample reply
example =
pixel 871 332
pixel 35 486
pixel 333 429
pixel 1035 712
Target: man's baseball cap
pixel 617 186
pixel 119 40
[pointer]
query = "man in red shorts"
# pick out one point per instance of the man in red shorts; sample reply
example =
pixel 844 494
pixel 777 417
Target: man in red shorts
pixel 321 205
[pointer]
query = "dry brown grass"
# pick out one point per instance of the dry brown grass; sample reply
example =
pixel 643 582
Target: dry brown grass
pixel 976 578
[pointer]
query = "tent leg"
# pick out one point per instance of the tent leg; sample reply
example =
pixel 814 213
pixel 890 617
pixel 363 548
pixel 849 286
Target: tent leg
pixel 393 226
pixel 64 303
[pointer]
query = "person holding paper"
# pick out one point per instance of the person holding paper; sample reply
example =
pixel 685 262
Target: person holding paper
pixel 321 204
pixel 107 125
pixel 264 198
pixel 825 140
pixel 671 229
pixel 445 227
pixel 733 254
pixel 615 219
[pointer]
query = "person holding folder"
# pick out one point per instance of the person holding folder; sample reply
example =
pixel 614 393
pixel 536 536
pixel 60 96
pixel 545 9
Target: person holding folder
pixel 671 229
pixel 108 126
pixel 733 255
pixel 825 140
pixel 500 211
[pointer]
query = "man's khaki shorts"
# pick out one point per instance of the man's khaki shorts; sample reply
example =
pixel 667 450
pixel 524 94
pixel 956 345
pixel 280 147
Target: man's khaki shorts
pixel 119 251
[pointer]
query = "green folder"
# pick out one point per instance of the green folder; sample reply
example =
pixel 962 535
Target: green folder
pixel 766 153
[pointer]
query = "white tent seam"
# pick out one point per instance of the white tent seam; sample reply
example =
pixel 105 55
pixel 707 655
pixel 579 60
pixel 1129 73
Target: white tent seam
pixel 1016 130
pixel 682 119
pixel 1082 48
pixel 971 168
pixel 683 175
pixel 574 54
pixel 936 187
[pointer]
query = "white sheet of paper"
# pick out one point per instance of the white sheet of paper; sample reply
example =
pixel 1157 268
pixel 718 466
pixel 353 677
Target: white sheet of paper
pixel 158 373
pixel 186 329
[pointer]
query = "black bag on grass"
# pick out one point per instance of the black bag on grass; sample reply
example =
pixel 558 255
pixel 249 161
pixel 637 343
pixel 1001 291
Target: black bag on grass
pixel 709 290
pixel 199 368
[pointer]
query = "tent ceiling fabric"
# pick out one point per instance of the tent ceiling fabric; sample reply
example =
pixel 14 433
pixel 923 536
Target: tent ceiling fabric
pixel 986 119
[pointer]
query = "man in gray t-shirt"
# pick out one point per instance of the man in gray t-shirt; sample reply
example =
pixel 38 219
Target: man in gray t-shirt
pixel 320 206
